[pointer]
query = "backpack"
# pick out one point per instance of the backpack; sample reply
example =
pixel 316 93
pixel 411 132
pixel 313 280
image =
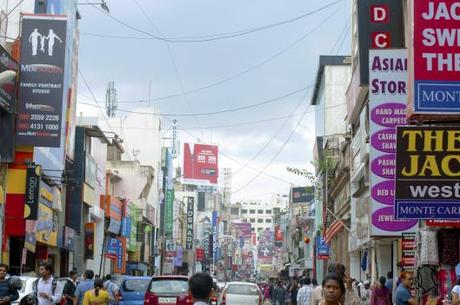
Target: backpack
pixel 53 287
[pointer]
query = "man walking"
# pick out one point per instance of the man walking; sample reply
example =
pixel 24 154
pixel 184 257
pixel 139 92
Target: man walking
pixel 403 295
pixel 70 287
pixel 112 289
pixel 200 287
pixel 8 293
pixel 84 286
pixel 47 289
pixel 305 292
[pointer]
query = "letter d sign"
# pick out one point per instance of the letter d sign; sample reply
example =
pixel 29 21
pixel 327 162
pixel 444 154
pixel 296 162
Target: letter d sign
pixel 379 14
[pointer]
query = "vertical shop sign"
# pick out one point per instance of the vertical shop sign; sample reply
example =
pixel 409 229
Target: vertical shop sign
pixel 323 248
pixel 46 226
pixel 214 234
pixel 41 82
pixel 120 264
pixel 90 229
pixel 201 165
pixel 33 173
pixel 169 212
pixel 427 171
pixel 434 57
pixel 126 227
pixel 30 241
pixel 387 103
pixel 113 244
pixel 408 244
pixel 190 215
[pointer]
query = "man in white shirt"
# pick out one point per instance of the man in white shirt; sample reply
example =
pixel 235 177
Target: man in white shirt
pixel 47 289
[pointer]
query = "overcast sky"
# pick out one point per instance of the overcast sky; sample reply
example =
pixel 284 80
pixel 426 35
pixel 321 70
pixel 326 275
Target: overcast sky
pixel 272 65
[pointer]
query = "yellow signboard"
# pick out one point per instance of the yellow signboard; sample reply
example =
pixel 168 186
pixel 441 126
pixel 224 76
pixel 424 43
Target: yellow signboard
pixel 46 226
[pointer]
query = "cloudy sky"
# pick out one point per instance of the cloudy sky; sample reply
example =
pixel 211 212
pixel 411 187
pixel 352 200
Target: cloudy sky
pixel 206 56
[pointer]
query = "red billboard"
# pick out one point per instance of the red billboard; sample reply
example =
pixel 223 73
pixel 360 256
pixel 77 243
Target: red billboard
pixel 201 164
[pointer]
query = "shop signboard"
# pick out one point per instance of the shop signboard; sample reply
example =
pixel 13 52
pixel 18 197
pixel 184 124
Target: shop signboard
pixel 120 263
pixel 201 164
pixel 126 226
pixel 90 171
pixel 170 247
pixel 69 238
pixel 8 88
pixel 41 81
pixel 32 192
pixel 408 244
pixel 112 248
pixel 30 240
pixel 214 234
pixel 443 223
pixel 46 226
pixel 169 212
pixel 427 171
pixel 189 224
pixel 323 248
pixel 90 229
pixel 387 103
pixel 434 58
pixel 303 194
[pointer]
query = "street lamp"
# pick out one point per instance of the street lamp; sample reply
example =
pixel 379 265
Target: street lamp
pixel 102 4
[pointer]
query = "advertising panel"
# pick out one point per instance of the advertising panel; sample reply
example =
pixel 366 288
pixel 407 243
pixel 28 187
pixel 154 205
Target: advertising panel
pixel 41 83
pixel 380 26
pixel 30 241
pixel 90 228
pixel 408 245
pixel 427 171
pixel 112 248
pixel 33 173
pixel 169 212
pixel 69 238
pixel 46 226
pixel 199 256
pixel 201 164
pixel 387 104
pixel 170 247
pixel 434 58
pixel 120 266
pixel 126 227
pixel 304 194
pixel 322 248
pixel 189 229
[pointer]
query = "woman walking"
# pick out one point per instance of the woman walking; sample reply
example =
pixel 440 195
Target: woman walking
pixel 97 296
pixel 333 290
pixel 381 294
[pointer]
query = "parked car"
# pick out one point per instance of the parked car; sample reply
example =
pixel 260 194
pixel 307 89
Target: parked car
pixel 27 287
pixel 241 293
pixel 168 290
pixel 132 289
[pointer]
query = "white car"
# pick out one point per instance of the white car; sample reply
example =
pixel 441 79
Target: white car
pixel 27 287
pixel 241 293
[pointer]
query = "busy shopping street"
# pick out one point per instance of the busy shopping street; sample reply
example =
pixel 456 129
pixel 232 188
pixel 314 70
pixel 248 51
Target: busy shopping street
pixel 171 152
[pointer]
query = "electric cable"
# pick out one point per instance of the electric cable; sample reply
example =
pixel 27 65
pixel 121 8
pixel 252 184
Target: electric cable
pixel 241 73
pixel 12 10
pixel 213 37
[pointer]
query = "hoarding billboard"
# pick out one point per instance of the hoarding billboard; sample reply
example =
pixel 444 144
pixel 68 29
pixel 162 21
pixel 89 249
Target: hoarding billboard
pixel 434 58
pixel 387 104
pixel 201 164
pixel 302 194
pixel 427 171
pixel 41 82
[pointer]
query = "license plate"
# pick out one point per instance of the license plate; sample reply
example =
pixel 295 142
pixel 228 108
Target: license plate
pixel 167 300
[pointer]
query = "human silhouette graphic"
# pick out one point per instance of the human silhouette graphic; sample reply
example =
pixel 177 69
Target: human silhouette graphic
pixel 51 36
pixel 33 39
pixel 42 43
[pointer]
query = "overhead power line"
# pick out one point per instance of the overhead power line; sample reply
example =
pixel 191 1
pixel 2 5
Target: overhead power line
pixel 213 112
pixel 213 37
pixel 238 74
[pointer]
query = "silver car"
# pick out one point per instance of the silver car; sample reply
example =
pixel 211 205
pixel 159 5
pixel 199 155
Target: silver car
pixel 27 287
pixel 241 293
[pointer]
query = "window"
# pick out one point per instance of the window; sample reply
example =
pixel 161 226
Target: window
pixel 252 211
pixel 260 211
pixel 252 220
pixel 245 220
pixel 268 211
pixel 268 220
pixel 260 220
pixel 233 211
pixel 242 289
pixel 259 230
pixel 244 211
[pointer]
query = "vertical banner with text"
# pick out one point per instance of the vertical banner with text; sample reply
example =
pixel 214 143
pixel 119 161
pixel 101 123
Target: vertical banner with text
pixel 169 213
pixel 190 215
pixel 387 103
pixel 41 81
pixel 33 173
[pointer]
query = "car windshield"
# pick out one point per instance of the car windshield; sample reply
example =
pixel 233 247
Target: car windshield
pixel 166 286
pixel 136 285
pixel 242 289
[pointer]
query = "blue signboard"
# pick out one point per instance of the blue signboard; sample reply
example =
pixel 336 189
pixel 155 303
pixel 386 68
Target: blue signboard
pixel 113 245
pixel 436 96
pixel 126 227
pixel 322 248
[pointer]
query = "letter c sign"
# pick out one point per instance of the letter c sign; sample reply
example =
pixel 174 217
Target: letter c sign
pixel 381 40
